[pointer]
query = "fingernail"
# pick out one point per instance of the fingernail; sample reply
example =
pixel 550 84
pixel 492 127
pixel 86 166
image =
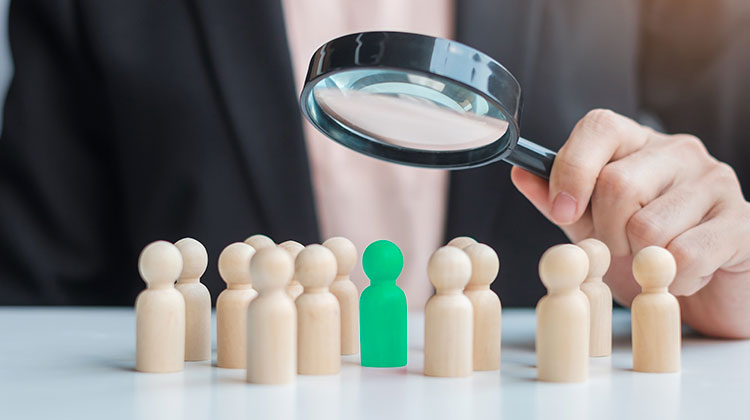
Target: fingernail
pixel 564 208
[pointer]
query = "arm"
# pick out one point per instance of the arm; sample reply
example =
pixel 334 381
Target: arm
pixel 57 193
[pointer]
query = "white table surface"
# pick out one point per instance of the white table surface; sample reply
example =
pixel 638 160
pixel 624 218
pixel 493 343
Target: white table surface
pixel 77 363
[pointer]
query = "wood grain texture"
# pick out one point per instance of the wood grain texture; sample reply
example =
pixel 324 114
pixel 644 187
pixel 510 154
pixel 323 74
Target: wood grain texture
pixel 160 311
pixel 318 313
pixel 293 289
pixel 449 316
pixel 231 306
pixel 562 334
pixel 486 306
pixel 271 320
pixel 259 241
pixel 346 292
pixel 461 242
pixel 655 313
pixel 599 297
pixel 197 300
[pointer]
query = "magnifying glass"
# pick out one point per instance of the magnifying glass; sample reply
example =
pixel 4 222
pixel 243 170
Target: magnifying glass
pixel 420 101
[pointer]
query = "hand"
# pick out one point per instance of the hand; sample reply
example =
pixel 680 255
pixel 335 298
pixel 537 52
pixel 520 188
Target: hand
pixel 632 187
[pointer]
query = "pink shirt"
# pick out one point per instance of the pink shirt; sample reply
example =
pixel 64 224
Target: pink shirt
pixel 356 196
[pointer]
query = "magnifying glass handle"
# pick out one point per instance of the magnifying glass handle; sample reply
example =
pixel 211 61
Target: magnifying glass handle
pixel 532 157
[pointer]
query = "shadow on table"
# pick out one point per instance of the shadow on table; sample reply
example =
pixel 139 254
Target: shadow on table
pixel 525 344
pixel 121 364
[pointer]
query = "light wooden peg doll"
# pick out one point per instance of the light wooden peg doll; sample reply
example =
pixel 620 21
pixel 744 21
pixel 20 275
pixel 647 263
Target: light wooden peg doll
pixel 346 292
pixel 293 289
pixel 461 242
pixel 231 306
pixel 599 297
pixel 487 309
pixel 318 313
pixel 197 300
pixel 259 241
pixel 562 332
pixel 449 318
pixel 655 313
pixel 160 311
pixel 271 320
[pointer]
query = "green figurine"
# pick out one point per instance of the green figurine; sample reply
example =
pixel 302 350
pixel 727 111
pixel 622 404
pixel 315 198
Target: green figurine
pixel 382 307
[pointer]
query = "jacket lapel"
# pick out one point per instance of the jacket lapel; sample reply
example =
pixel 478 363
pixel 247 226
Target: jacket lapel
pixel 246 49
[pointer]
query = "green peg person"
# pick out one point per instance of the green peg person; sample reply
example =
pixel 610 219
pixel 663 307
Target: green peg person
pixel 382 308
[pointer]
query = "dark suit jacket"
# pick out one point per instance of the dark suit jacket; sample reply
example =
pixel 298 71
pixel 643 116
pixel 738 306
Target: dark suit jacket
pixel 137 120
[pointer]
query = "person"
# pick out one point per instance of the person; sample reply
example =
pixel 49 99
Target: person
pixel 156 120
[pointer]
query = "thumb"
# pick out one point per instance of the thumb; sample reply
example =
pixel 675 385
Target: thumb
pixel 536 190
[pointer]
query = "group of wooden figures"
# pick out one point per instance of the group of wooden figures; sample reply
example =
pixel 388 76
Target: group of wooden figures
pixel 574 319
pixel 278 299
pixel 291 309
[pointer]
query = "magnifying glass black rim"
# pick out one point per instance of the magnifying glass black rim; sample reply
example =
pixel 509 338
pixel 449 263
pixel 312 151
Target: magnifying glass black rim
pixel 399 51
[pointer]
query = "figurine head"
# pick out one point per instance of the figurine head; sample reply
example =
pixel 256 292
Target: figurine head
pixel 194 258
pixel 234 263
pixel 654 267
pixel 563 267
pixel 159 264
pixel 382 262
pixel 345 252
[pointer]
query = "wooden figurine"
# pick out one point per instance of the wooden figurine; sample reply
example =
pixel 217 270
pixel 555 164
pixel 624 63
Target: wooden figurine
pixel 293 289
pixel 318 313
pixel 197 300
pixel 259 241
pixel 462 241
pixel 449 318
pixel 599 297
pixel 231 306
pixel 655 313
pixel 271 320
pixel 346 292
pixel 160 311
pixel 487 309
pixel 562 332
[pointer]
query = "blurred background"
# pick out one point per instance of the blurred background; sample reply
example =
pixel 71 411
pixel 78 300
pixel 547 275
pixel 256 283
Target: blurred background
pixel 132 121
pixel 6 64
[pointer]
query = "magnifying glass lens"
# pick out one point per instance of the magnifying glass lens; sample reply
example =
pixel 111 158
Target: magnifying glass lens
pixel 409 110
